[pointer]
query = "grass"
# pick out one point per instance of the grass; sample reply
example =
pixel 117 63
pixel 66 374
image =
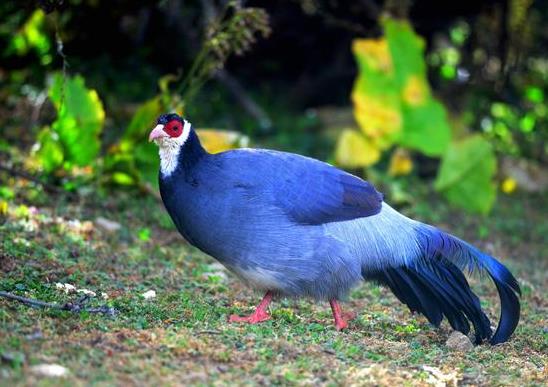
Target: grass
pixel 182 336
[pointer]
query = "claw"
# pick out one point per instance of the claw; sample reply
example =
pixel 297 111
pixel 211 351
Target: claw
pixel 256 317
pixel 341 318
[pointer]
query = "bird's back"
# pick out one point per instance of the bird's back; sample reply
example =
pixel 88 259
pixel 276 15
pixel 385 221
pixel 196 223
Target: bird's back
pixel 233 207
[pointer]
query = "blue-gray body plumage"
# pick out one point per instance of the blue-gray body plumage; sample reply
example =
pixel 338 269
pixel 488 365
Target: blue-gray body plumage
pixel 300 227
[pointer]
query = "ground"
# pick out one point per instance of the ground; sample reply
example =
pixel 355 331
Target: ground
pixel 182 337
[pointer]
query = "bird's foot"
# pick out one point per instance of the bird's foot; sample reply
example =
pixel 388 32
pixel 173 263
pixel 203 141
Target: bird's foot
pixel 341 318
pixel 254 318
pixel 341 324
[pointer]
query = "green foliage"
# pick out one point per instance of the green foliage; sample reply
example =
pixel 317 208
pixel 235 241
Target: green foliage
pixel 135 160
pixel 394 105
pixel 466 173
pixel 32 36
pixel 50 150
pixel 80 118
pixel 135 147
pixel 425 126
pixel 515 121
pixel 74 136
pixel 393 101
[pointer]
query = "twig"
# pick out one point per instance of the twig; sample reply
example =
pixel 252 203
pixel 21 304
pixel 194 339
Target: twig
pixel 70 307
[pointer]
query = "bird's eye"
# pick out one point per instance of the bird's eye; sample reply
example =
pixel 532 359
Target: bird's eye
pixel 174 128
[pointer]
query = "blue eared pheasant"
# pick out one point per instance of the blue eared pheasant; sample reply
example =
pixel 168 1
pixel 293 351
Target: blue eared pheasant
pixel 294 226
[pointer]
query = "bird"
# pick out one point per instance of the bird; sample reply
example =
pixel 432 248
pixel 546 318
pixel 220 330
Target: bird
pixel 296 227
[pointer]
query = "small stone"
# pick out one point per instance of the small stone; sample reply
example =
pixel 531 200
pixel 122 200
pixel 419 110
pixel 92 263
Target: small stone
pixel 459 342
pixel 67 288
pixel 149 295
pixel 87 292
pixel 107 225
pixel 49 370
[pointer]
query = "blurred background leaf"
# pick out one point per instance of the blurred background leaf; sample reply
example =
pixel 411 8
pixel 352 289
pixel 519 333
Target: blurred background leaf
pixel 466 174
pixel 73 138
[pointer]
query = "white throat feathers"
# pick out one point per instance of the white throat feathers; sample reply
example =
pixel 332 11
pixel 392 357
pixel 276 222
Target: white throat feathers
pixel 170 147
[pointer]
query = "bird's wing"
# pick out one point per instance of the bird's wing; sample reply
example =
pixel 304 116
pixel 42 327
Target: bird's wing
pixel 312 192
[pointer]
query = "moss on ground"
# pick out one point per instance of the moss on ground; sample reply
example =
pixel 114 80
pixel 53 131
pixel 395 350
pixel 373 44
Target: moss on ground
pixel 182 336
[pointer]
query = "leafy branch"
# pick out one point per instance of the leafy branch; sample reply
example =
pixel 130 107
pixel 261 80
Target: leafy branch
pixel 233 31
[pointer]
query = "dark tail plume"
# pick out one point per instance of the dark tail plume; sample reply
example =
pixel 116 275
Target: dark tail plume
pixel 435 286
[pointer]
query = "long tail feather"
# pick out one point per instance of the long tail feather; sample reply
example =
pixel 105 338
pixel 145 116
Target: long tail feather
pixel 435 286
pixel 466 256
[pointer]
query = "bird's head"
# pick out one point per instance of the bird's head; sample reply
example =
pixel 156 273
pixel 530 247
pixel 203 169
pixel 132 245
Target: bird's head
pixel 171 131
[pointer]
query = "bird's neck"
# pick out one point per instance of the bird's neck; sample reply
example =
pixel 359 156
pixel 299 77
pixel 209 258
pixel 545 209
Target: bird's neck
pixel 192 151
pixel 184 159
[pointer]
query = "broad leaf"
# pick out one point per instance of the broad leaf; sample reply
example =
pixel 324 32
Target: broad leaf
pixel 406 50
pixel 393 103
pixel 375 95
pixel 466 174
pixel 354 150
pixel 80 118
pixel 426 128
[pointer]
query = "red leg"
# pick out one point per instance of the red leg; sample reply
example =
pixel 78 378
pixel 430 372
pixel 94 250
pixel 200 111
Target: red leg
pixel 259 315
pixel 340 317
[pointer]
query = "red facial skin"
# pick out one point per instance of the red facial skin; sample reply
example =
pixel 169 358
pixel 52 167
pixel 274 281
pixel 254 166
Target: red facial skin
pixel 174 128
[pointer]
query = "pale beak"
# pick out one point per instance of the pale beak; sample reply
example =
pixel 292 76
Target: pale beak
pixel 157 132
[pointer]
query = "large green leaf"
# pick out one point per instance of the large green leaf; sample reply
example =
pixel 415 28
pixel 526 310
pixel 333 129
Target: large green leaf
pixel 376 97
pixel 406 50
pixel 426 128
pixel 393 102
pixel 466 174
pixel 80 118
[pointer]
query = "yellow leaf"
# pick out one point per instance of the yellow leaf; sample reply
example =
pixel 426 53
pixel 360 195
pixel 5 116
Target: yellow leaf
pixel 415 91
pixel 376 118
pixel 400 163
pixel 509 185
pixel 3 207
pixel 355 150
pixel 375 53
pixel 215 141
